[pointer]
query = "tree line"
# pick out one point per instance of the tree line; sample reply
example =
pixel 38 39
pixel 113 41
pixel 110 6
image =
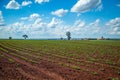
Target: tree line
pixel 68 34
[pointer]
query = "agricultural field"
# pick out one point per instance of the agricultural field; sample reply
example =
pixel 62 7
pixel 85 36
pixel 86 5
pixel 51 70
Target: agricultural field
pixel 59 60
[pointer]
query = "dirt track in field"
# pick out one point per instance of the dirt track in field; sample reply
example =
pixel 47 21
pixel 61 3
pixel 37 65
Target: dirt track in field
pixel 47 70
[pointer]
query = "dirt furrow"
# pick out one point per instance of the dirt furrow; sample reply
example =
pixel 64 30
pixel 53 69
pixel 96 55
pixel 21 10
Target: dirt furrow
pixel 26 74
pixel 42 70
pixel 63 61
pixel 92 66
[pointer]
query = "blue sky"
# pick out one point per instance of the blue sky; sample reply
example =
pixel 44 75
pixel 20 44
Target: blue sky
pixel 53 18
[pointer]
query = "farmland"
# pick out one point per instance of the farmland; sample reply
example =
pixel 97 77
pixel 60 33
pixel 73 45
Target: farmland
pixel 59 60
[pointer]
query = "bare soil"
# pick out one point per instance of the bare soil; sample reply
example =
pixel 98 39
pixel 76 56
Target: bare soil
pixel 48 68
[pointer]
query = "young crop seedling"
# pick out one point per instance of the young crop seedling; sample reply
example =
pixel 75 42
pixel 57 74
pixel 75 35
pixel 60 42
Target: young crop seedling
pixel 114 79
pixel 102 69
pixel 4 49
pixel 17 65
pixel 69 61
pixel 33 61
pixel 108 62
pixel 11 60
pixel 63 64
pixel 75 67
pixel 95 73
pixel 118 72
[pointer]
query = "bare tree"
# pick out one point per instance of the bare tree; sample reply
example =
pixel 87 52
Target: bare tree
pixel 68 34
pixel 25 36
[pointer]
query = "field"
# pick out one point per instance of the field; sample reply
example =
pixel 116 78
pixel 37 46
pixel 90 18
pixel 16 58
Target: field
pixel 59 60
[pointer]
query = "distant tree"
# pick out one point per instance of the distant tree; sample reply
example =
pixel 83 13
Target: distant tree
pixel 68 34
pixel 10 37
pixel 25 36
pixel 61 38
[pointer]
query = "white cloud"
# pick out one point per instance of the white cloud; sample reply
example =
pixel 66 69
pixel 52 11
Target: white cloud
pixel 83 29
pixel 79 23
pixel 118 5
pixel 115 30
pixel 114 22
pixel 41 1
pixel 100 7
pixel 85 5
pixel 26 3
pixel 13 5
pixel 95 23
pixel 54 22
pixel 59 12
pixel 78 15
pixel 34 16
pixel 24 18
pixel 55 27
pixel 114 25
pixel 38 21
pixel 31 17
pixel 1 19
pixel 38 24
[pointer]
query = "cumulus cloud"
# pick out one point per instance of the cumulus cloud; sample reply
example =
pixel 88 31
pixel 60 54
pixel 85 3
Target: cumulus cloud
pixel 34 16
pixel 1 19
pixel 100 7
pixel 78 14
pixel 79 23
pixel 26 3
pixel 115 30
pixel 13 5
pixel 114 25
pixel 55 27
pixel 114 22
pixel 86 5
pixel 54 22
pixel 31 17
pixel 95 27
pixel 41 1
pixel 95 23
pixel 59 12
pixel 24 18
pixel 38 21
pixel 39 24
pixel 83 29
pixel 118 5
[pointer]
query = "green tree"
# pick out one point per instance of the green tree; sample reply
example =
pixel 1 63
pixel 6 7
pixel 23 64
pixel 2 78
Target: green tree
pixel 10 37
pixel 25 36
pixel 68 34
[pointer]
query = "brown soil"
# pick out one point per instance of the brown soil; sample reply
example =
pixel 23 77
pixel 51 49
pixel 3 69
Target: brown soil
pixel 45 69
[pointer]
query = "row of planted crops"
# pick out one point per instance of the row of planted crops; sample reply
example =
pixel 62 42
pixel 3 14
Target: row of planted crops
pixel 78 55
